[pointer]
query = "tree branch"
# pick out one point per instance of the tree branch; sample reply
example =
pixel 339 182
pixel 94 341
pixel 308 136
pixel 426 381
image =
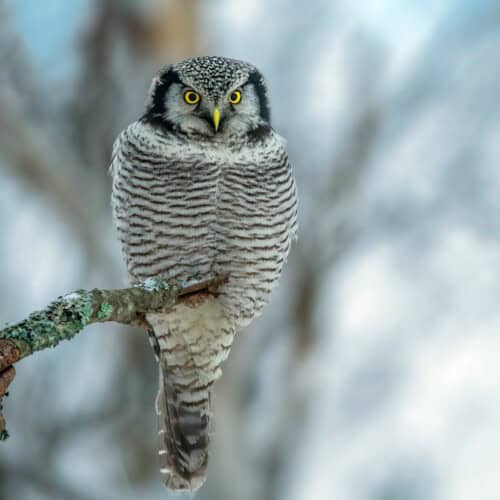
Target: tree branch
pixel 70 314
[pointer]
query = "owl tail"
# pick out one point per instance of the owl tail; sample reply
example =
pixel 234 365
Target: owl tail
pixel 183 421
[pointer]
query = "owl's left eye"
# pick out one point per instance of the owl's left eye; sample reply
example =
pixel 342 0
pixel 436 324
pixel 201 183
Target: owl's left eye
pixel 235 97
pixel 191 97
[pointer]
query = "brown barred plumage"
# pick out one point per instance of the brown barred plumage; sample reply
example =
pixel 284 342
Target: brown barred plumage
pixel 192 202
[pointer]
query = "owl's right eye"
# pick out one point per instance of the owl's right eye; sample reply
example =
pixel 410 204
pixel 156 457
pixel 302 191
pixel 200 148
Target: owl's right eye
pixel 191 97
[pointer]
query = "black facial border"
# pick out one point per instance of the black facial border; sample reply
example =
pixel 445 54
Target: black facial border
pixel 257 80
pixel 155 112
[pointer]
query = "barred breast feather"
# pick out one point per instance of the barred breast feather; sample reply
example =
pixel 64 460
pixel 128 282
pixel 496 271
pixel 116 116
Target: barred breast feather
pixel 187 209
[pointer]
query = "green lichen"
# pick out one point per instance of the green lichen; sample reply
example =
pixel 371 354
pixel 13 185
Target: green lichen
pixel 71 313
pixel 105 311
pixel 63 319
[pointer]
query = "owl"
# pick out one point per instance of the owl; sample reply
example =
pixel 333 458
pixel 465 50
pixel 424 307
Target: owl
pixel 202 187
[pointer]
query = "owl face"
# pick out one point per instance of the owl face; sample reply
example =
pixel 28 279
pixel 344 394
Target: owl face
pixel 212 97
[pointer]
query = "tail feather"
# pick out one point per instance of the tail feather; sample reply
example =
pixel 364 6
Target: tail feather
pixel 190 344
pixel 183 422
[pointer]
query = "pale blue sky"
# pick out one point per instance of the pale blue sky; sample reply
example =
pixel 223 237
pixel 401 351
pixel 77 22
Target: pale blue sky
pixel 49 27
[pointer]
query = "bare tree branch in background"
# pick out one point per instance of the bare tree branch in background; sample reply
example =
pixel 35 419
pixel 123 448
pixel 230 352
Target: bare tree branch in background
pixel 28 153
pixel 98 87
pixel 34 150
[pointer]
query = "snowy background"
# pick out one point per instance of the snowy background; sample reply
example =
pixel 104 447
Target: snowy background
pixel 374 374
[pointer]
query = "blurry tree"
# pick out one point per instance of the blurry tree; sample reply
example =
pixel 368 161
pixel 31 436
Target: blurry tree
pixel 400 164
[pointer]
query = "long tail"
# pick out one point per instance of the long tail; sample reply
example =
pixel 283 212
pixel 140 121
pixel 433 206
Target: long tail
pixel 184 416
pixel 190 343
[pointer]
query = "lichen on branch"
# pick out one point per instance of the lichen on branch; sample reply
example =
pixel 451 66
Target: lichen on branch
pixel 68 315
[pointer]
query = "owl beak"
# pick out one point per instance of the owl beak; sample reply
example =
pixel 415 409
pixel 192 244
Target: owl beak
pixel 216 118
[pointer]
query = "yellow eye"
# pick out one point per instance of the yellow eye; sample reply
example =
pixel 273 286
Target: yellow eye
pixel 192 97
pixel 235 97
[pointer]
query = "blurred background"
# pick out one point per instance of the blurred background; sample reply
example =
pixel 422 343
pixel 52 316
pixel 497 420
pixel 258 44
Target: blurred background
pixel 374 374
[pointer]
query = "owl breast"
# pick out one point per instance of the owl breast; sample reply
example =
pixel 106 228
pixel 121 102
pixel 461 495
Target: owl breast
pixel 185 209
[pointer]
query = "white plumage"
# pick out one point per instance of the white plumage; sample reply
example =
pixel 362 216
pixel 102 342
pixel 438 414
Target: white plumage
pixel 193 198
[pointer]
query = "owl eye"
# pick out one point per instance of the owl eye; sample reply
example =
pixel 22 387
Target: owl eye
pixel 191 97
pixel 235 97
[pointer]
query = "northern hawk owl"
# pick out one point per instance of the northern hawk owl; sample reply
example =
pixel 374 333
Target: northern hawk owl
pixel 202 187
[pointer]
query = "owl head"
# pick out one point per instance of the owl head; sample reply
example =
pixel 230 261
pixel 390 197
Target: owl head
pixel 212 97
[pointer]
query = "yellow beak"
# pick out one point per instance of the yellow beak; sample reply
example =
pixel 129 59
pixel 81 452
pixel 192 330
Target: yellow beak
pixel 216 118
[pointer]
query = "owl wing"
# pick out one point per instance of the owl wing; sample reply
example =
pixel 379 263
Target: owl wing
pixel 142 197
pixel 294 224
pixel 291 204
